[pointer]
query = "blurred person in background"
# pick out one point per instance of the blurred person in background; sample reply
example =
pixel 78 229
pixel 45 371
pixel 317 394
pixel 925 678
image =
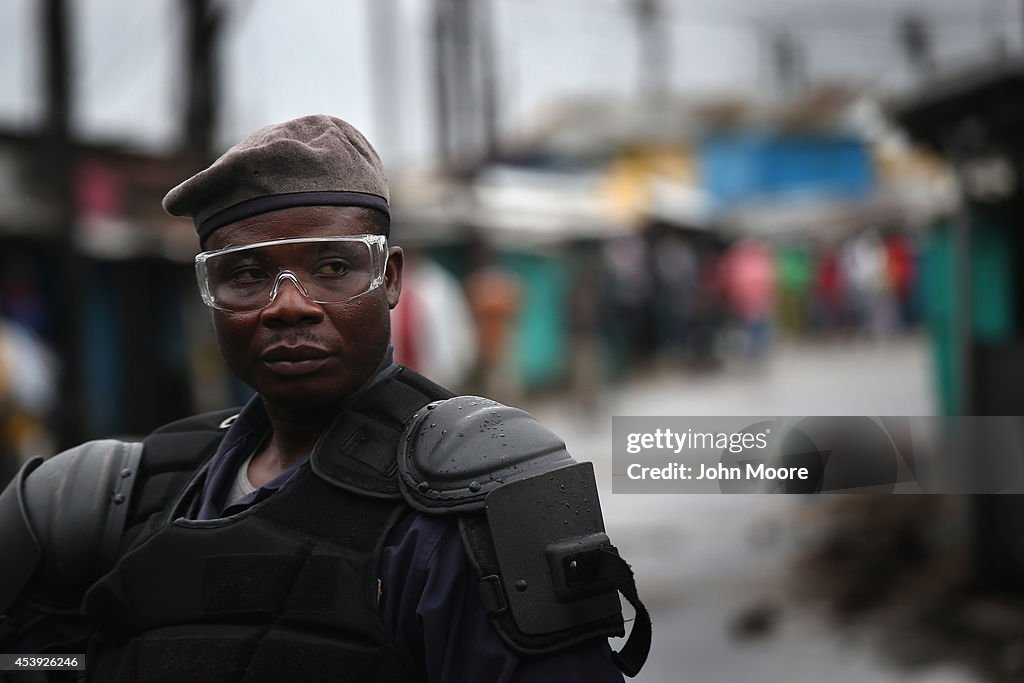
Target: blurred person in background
pixel 709 310
pixel 626 298
pixel 28 395
pixel 21 297
pixel 864 265
pixel 431 327
pixel 749 281
pixel 494 294
pixel 795 273
pixel 333 526
pixel 586 357
pixel 827 291
pixel 675 276
pixel 901 266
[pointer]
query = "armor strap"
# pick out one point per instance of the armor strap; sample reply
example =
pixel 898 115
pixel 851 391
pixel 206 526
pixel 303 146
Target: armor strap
pixel 172 454
pixel 358 452
pixel 612 569
pixel 607 568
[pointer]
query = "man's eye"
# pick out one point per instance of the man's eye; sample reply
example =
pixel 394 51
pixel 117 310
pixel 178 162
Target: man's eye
pixel 248 274
pixel 333 268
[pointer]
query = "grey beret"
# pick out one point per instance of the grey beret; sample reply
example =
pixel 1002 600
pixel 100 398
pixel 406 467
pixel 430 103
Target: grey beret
pixel 309 161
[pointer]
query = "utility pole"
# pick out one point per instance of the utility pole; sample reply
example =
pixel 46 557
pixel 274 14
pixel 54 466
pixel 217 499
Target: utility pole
pixel 488 76
pixel 58 161
pixel 462 69
pixel 654 46
pixel 441 22
pixel 916 41
pixel 465 80
pixel 384 66
pixel 788 60
pixel 203 27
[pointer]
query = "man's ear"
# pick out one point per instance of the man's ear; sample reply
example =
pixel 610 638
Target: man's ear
pixel 393 275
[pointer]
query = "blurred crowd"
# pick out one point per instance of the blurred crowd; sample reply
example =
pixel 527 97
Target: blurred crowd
pixel 661 299
pixel 676 299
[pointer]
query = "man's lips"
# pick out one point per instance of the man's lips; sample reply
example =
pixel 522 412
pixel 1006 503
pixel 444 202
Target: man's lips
pixel 293 353
pixel 294 360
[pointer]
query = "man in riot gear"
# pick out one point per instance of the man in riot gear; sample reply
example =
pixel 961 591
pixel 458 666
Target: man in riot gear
pixel 354 520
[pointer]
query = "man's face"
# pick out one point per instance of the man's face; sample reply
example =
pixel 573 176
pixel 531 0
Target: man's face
pixel 296 353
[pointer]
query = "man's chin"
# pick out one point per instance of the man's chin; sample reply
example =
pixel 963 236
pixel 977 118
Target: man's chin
pixel 307 392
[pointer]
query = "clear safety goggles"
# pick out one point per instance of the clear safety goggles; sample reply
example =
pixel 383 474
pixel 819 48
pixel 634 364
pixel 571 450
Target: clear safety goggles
pixel 326 270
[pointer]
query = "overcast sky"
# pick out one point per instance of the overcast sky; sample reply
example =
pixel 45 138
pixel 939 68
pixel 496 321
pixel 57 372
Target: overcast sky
pixel 283 58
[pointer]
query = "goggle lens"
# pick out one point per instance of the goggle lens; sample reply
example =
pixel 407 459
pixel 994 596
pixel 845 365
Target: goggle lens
pixel 326 270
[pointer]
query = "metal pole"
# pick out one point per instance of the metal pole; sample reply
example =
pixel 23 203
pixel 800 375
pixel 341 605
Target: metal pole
pixel 962 317
pixel 441 34
pixel 384 66
pixel 466 132
pixel 488 76
pixel 654 46
pixel 59 161
pixel 203 29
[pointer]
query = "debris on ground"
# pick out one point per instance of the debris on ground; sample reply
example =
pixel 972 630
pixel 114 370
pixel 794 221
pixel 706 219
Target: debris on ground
pixel 895 571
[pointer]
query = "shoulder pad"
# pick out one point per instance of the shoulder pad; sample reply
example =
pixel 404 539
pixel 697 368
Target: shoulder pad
pixel 18 538
pixel 531 523
pixel 76 503
pixel 452 453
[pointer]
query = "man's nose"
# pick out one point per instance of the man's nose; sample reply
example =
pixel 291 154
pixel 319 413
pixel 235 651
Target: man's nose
pixel 290 303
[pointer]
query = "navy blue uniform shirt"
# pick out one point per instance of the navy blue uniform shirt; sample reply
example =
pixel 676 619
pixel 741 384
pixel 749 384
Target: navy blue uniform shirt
pixel 431 606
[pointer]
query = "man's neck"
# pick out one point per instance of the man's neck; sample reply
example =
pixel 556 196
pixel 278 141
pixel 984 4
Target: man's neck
pixel 295 430
pixel 293 435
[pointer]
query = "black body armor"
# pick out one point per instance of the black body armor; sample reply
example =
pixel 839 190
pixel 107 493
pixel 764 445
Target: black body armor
pixel 286 589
